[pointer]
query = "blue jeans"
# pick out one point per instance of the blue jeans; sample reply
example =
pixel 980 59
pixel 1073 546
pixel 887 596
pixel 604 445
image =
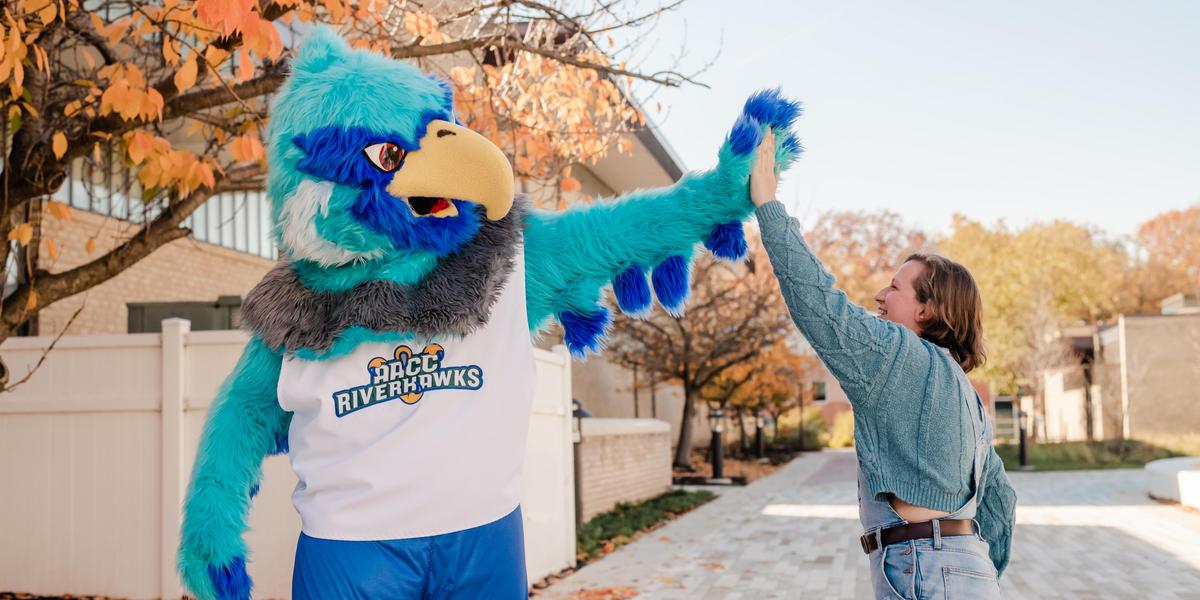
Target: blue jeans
pixel 917 570
pixel 484 562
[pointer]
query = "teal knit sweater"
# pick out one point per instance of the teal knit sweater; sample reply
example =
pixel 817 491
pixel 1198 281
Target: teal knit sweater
pixel 912 421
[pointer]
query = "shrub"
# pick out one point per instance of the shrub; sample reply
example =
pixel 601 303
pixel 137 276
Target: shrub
pixel 814 432
pixel 608 531
pixel 1108 454
pixel 842 435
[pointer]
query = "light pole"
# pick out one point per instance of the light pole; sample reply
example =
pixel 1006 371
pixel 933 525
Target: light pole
pixel 1021 447
pixel 760 442
pixel 715 418
pixel 635 392
pixel 578 414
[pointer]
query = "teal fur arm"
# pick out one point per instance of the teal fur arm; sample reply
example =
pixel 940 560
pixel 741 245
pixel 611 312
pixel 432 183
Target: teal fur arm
pixel 244 425
pixel 571 255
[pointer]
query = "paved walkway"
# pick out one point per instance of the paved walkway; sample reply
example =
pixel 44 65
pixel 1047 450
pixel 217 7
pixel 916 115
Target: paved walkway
pixel 1085 534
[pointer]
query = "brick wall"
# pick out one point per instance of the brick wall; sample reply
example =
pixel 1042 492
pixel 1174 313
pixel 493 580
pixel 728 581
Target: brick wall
pixel 622 460
pixel 182 270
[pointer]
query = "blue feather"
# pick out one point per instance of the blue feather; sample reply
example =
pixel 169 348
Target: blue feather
pixel 791 151
pixel 584 333
pixel 231 581
pixel 336 154
pixel 670 279
pixel 254 489
pixel 281 442
pixel 727 241
pixel 381 212
pixel 745 135
pixel 632 291
pixel 770 108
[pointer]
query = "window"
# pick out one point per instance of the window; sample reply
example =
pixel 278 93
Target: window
pixel 818 392
pixel 237 220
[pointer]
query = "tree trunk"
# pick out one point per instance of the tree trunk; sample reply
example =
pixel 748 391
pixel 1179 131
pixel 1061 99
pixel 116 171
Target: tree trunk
pixel 741 418
pixel 683 449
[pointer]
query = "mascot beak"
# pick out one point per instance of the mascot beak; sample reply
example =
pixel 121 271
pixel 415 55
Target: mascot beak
pixel 453 162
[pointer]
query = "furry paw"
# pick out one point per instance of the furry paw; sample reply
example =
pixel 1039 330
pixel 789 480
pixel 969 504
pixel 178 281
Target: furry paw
pixel 207 579
pixel 230 581
pixel 584 332
pixel 767 108
pixel 670 280
pixel 632 292
pixel 727 241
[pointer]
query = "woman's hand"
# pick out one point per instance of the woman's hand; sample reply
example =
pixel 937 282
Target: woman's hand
pixel 764 178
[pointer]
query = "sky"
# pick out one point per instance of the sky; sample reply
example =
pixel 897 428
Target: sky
pixel 1018 110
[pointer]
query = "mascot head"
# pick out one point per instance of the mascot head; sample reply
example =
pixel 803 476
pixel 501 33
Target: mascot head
pixel 367 160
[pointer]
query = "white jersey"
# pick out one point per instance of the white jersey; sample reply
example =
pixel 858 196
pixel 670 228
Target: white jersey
pixel 425 437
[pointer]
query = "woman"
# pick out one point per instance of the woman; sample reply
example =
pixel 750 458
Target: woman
pixel 935 503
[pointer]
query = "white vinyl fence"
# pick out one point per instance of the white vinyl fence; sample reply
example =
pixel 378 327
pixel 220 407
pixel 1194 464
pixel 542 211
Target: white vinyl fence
pixel 97 447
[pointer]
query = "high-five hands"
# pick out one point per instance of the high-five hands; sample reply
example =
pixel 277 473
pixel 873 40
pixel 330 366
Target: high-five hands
pixel 764 178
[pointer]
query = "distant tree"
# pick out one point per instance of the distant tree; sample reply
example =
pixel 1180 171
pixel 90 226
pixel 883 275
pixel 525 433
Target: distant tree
pixel 735 312
pixel 862 249
pixel 1171 242
pixel 1034 282
pixel 767 383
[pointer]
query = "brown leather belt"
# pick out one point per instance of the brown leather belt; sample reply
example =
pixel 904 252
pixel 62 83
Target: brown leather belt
pixel 915 531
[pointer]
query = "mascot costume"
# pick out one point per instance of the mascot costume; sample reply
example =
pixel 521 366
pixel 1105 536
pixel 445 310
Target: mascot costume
pixel 391 351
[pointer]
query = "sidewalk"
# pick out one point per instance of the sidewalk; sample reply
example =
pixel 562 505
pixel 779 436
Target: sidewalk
pixel 1086 534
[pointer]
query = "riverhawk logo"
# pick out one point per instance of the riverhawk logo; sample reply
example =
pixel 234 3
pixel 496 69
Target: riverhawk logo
pixel 406 377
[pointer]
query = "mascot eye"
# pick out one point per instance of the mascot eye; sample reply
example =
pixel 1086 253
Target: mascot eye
pixel 387 156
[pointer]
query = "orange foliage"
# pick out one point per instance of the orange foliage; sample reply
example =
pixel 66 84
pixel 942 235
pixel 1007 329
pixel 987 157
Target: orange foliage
pixel 177 93
pixel 1172 241
pixel 863 249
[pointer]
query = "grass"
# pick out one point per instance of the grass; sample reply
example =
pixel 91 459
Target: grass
pixel 608 531
pixel 1067 456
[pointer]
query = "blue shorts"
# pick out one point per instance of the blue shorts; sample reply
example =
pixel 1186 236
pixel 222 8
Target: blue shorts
pixel 483 562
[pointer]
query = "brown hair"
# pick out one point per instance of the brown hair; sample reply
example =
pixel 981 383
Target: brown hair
pixel 957 320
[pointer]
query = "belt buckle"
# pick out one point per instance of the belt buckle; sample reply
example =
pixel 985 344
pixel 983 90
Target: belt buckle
pixel 865 541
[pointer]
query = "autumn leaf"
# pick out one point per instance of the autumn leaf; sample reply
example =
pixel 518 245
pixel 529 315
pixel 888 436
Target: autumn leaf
pixel 137 145
pixel 246 148
pixel 214 56
pixel 420 24
pixel 48 12
pixel 22 234
pixel 607 593
pixel 32 301
pixel 228 15
pixel 169 53
pixel 59 211
pixel 570 184
pixel 90 246
pixel 185 77
pixel 52 248
pixel 245 65
pixel 337 10
pixel 59 144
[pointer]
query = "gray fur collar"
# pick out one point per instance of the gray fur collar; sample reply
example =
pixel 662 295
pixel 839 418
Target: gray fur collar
pixel 455 298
